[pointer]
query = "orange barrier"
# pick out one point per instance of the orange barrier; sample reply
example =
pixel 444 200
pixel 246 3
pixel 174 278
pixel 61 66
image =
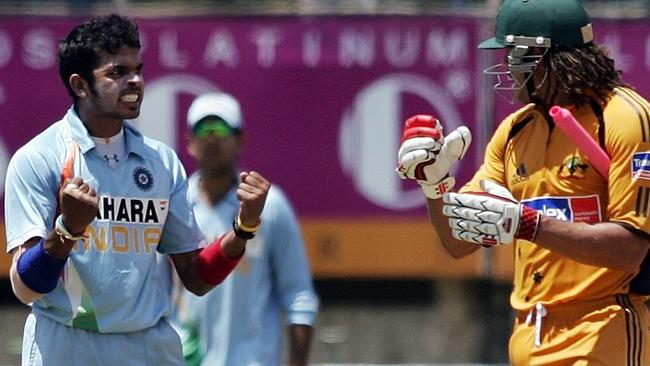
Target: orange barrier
pixel 5 259
pixel 379 248
pixel 393 248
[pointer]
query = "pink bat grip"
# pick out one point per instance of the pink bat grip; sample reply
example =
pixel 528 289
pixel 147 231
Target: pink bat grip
pixel 567 123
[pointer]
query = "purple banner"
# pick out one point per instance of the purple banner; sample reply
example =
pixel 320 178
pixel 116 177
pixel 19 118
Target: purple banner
pixel 323 97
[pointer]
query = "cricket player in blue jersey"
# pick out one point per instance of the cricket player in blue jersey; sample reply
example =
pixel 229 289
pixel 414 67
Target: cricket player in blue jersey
pixel 89 202
pixel 241 322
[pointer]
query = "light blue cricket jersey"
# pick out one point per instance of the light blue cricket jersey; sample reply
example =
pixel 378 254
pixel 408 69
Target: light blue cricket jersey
pixel 111 282
pixel 241 321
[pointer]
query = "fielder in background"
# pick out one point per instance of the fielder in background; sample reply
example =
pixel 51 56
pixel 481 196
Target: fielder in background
pixel 580 238
pixel 89 202
pixel 241 322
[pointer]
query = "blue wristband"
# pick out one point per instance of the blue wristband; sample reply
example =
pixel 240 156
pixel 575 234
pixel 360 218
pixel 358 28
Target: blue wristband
pixel 38 269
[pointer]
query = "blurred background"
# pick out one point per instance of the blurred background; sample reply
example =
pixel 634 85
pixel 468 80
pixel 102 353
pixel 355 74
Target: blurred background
pixel 324 87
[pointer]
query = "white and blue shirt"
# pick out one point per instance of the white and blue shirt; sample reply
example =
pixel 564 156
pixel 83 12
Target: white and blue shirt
pixel 111 282
pixel 240 322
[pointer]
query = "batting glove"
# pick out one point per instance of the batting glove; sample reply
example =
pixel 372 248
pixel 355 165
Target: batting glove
pixel 490 218
pixel 426 156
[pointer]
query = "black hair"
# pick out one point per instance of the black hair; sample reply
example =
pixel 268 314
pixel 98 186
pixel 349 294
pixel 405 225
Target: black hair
pixel 79 51
pixel 588 67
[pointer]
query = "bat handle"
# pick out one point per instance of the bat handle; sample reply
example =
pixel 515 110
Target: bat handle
pixel 567 123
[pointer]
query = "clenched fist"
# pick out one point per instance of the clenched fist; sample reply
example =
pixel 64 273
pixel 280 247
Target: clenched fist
pixel 79 204
pixel 427 156
pixel 252 191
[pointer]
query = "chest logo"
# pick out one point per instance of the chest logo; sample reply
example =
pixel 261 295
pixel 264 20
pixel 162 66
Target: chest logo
pixel 143 179
pixel 573 168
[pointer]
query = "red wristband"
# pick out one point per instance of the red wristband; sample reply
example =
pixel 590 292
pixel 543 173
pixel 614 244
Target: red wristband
pixel 213 265
pixel 528 224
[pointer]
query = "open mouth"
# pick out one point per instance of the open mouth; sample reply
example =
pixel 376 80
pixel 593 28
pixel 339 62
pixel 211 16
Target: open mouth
pixel 130 98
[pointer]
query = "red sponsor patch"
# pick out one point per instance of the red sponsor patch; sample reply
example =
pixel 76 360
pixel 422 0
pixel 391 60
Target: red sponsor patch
pixel 585 209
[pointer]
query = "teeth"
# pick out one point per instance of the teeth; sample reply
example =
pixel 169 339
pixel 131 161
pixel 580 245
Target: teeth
pixel 129 98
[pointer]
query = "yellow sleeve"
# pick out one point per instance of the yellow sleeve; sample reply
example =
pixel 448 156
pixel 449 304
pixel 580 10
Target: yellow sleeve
pixel 627 130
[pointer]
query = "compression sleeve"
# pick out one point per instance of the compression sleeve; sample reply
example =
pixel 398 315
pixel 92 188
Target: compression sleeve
pixel 38 269
pixel 212 265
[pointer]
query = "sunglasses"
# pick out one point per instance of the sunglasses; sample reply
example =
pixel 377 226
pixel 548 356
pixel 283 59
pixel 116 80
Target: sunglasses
pixel 212 126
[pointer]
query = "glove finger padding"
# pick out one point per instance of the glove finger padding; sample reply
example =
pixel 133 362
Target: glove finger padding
pixel 428 160
pixel 487 219
pixel 490 187
pixel 422 140
pixel 475 238
pixel 438 180
pixel 414 154
pixel 474 215
pixel 473 226
pixel 492 220
pixel 457 143
pixel 422 125
pixel 426 155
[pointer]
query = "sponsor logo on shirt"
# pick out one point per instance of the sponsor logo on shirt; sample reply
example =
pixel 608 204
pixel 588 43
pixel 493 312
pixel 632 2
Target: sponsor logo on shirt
pixel 521 175
pixel 126 226
pixel 572 209
pixel 132 210
pixel 640 165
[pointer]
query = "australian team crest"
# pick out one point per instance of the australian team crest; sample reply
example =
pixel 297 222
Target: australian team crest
pixel 143 179
pixel 573 168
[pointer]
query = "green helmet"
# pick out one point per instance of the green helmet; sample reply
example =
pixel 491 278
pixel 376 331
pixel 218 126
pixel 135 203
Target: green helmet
pixel 541 23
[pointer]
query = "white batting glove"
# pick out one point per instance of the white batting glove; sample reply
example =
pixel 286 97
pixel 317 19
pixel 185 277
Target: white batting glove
pixel 426 156
pixel 490 218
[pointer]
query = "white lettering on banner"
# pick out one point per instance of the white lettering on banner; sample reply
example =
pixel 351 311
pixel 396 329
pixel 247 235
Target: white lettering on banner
pixel 447 48
pixel 375 120
pixel 401 49
pixel 221 49
pixel 170 55
pixel 612 41
pixel 356 48
pixel 4 153
pixel 39 49
pixel 158 112
pixel 311 43
pixel 353 47
pixel 6 48
pixel 647 52
pixel 144 41
pixel 4 163
pixel 266 40
pixel 458 83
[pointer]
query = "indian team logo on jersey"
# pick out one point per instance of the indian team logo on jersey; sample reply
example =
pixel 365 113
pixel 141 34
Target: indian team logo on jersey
pixel 573 209
pixel 143 179
pixel 640 165
pixel 573 168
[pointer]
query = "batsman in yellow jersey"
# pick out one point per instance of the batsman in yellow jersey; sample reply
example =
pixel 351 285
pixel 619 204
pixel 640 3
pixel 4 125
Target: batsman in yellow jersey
pixel 582 273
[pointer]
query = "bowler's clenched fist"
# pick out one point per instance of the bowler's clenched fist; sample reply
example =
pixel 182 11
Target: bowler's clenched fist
pixel 251 193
